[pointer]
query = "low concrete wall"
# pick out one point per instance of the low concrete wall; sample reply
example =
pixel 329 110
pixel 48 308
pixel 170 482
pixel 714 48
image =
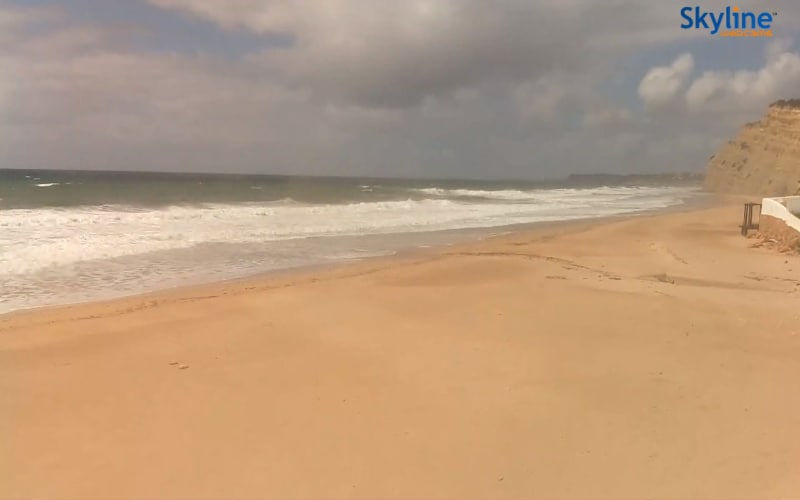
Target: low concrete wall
pixel 778 220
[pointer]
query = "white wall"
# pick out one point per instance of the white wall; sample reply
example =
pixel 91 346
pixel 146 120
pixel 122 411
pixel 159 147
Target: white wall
pixel 793 204
pixel 782 208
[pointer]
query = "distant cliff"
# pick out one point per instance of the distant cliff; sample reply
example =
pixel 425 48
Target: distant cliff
pixel 765 157
pixel 591 180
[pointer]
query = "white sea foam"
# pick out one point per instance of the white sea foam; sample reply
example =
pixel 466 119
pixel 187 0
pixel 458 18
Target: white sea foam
pixel 48 184
pixel 34 239
pixel 499 194
pixel 541 195
pixel 49 255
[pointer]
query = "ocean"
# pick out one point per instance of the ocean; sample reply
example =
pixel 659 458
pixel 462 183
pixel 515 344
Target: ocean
pixel 68 237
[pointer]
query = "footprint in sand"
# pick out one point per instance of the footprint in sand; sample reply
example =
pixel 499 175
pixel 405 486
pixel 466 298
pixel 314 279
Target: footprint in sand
pixel 667 252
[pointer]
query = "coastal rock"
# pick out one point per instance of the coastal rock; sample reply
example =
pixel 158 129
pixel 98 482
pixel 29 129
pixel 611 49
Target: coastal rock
pixel 764 159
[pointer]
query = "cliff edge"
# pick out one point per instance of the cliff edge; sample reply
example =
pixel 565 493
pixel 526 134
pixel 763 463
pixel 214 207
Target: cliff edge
pixel 764 159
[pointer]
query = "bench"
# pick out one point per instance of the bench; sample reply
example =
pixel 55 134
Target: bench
pixel 747 220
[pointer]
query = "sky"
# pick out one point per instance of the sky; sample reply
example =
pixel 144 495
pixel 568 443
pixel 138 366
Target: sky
pixel 509 89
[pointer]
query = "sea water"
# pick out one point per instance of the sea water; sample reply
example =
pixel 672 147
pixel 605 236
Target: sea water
pixel 68 237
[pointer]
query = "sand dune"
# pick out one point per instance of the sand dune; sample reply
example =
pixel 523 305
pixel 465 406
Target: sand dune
pixel 649 357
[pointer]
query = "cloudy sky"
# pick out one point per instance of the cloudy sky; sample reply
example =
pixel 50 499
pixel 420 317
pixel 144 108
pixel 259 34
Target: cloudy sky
pixel 454 88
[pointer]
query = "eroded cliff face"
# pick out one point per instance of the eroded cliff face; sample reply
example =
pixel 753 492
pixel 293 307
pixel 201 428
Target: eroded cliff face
pixel 765 157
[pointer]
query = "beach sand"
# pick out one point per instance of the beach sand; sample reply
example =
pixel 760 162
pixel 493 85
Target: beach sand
pixel 656 356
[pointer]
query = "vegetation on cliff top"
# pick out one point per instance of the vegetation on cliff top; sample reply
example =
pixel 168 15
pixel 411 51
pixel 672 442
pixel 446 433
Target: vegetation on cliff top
pixel 786 103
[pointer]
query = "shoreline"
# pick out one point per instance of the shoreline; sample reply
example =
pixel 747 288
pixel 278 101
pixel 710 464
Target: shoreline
pixel 698 201
pixel 539 363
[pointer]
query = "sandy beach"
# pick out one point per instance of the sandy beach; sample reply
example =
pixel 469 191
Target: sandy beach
pixel 655 356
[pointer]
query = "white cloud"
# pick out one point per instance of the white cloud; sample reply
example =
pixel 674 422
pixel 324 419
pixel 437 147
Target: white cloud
pixel 542 98
pixel 743 91
pixel 607 116
pixel 662 84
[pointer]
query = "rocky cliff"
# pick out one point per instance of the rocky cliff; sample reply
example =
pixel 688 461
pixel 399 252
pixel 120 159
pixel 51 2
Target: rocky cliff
pixel 765 157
